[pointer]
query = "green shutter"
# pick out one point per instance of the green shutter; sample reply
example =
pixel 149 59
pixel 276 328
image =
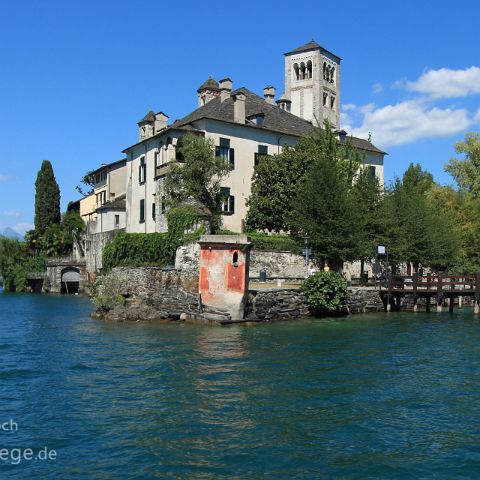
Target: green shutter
pixel 231 204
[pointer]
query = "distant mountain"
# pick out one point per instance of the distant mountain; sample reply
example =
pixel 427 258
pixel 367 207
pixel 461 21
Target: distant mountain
pixel 10 233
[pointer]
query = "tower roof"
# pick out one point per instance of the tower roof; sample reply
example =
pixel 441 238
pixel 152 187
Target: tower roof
pixel 311 45
pixel 209 84
pixel 149 117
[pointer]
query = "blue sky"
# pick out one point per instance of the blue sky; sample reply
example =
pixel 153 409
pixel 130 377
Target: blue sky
pixel 77 76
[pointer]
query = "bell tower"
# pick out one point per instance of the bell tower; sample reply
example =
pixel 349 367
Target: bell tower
pixel 312 84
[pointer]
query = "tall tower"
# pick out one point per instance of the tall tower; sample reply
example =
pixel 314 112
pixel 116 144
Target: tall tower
pixel 312 83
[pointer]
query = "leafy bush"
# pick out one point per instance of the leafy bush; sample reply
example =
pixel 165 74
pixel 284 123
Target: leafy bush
pixel 153 249
pixel 326 292
pixel 16 262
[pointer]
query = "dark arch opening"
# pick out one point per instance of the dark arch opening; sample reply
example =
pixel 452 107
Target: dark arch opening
pixel 235 259
pixel 70 280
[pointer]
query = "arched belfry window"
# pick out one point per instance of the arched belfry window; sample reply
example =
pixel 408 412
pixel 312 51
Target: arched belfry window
pixel 324 70
pixel 302 71
pixel 295 69
pixel 332 75
pixel 309 69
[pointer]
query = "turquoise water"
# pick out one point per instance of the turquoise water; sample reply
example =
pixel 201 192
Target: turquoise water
pixel 380 396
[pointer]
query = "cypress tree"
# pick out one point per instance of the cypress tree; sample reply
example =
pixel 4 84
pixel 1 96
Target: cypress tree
pixel 47 198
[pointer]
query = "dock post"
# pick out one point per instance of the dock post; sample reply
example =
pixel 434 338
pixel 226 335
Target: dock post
pixel 450 305
pixel 476 304
pixel 415 299
pixel 389 295
pixel 460 301
pixel 439 294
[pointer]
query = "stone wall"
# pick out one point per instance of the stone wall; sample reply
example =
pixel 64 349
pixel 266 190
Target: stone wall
pixel 94 245
pixel 152 293
pixel 287 303
pixel 278 264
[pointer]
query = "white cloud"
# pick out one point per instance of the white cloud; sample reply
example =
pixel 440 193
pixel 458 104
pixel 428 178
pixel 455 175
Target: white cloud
pixel 445 83
pixel 348 107
pixel 23 227
pixel 377 88
pixel 408 121
pixel 476 119
pixel 8 213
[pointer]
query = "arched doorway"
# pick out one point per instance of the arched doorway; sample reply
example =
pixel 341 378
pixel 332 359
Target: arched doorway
pixel 70 280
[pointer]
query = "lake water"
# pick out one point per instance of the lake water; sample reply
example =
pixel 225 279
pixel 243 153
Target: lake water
pixel 374 396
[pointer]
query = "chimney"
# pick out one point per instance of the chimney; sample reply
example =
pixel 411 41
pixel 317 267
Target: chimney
pixel 225 86
pixel 160 121
pixel 284 103
pixel 269 94
pixel 239 108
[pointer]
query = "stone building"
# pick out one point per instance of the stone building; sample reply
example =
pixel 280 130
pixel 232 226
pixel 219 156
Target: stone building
pixel 243 127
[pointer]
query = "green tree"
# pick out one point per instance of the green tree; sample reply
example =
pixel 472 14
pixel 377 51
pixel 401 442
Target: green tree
pixel 47 198
pixel 367 198
pixel 88 183
pixel 415 228
pixel 274 186
pixel 466 172
pixel 199 176
pixel 324 207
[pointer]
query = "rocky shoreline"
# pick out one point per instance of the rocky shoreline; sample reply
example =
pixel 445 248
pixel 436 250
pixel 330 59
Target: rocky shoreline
pixel 158 295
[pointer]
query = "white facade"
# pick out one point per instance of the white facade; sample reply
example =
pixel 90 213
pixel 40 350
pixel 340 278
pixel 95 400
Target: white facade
pixel 241 122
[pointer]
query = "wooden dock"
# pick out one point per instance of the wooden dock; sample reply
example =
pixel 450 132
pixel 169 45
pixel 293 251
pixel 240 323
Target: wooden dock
pixel 442 288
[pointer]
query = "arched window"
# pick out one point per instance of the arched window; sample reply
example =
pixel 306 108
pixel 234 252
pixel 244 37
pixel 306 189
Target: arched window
pixel 235 259
pixel 329 72
pixel 295 68
pixel 324 70
pixel 332 75
pixel 302 71
pixel 309 69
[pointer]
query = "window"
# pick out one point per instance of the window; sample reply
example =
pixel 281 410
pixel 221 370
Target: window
pixel 101 198
pixel 325 98
pixel 157 157
pixel 262 151
pixel 225 152
pixel 142 211
pixel 297 73
pixel 332 101
pixel 163 204
pixel 371 171
pixel 142 170
pixel 117 221
pixel 153 211
pixel 235 259
pixel 228 201
pixel 332 75
pixel 309 69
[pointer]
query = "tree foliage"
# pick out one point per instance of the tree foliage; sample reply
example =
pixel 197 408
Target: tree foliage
pixel 47 198
pixel 324 207
pixel 466 172
pixel 199 176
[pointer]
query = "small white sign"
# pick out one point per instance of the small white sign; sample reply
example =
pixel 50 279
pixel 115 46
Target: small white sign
pixel 381 250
